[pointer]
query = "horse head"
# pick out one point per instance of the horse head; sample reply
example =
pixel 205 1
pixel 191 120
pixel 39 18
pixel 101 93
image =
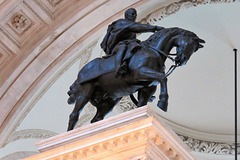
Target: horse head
pixel 187 43
pixel 164 40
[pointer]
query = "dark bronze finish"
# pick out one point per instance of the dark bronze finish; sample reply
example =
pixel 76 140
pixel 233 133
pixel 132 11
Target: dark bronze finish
pixel 130 66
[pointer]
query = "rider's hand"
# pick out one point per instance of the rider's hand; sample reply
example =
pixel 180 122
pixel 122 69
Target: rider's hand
pixel 157 28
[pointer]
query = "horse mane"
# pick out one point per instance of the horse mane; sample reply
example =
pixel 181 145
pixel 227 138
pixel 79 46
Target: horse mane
pixel 167 33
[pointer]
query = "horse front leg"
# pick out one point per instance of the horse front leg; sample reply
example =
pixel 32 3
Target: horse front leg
pixel 145 95
pixel 148 74
pixel 163 98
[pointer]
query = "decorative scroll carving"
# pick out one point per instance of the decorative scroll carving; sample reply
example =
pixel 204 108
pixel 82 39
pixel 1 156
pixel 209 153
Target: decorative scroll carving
pixel 30 133
pixel 90 112
pixel 126 104
pixel 176 6
pixel 210 147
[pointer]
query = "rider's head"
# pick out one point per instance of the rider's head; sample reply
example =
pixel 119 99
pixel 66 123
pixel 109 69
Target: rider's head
pixel 131 14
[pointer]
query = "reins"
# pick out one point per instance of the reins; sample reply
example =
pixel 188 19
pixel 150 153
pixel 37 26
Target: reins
pixel 161 52
pixel 173 67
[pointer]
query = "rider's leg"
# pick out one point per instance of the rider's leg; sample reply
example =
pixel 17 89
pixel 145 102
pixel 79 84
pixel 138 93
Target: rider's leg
pixel 145 73
pixel 81 101
pixel 121 66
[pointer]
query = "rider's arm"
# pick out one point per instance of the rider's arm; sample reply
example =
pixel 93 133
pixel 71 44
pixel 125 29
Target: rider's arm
pixel 140 28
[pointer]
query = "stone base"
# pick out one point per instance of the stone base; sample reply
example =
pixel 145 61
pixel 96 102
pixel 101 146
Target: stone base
pixel 138 134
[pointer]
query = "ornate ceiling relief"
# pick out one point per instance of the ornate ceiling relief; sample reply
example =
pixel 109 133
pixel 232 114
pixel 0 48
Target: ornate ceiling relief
pixel 30 133
pixel 21 23
pixel 176 6
pixel 210 147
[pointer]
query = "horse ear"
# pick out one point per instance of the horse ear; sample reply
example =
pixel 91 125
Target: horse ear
pixel 200 46
pixel 201 40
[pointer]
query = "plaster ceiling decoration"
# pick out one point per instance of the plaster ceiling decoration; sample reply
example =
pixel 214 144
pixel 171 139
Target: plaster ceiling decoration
pixel 44 42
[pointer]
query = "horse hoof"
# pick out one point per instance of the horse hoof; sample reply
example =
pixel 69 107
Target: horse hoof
pixel 69 128
pixel 163 105
pixel 95 120
pixel 71 100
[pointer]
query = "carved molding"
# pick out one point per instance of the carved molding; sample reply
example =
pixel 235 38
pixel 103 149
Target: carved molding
pixel 30 133
pixel 136 134
pixel 21 23
pixel 196 145
pixel 6 56
pixel 115 144
pixel 54 3
pixel 176 6
pixel 210 147
pixel 19 155
pixel 55 8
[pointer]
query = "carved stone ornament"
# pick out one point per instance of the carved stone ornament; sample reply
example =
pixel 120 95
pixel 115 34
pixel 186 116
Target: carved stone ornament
pixel 30 133
pixel 210 147
pixel 176 6
pixel 20 22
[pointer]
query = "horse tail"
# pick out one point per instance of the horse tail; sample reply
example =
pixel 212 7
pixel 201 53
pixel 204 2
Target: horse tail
pixel 134 99
pixel 72 92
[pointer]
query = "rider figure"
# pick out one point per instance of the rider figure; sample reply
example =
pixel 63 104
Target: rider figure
pixel 123 32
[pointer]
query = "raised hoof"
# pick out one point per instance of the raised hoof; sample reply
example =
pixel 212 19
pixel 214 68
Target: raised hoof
pixel 163 105
pixel 71 99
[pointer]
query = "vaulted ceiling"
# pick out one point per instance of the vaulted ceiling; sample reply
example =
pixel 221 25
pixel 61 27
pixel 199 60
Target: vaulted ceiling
pixel 43 43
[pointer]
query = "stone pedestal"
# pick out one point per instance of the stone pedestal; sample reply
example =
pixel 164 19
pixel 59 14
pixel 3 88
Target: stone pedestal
pixel 139 134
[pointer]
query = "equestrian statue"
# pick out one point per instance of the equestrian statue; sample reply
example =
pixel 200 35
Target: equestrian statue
pixel 130 66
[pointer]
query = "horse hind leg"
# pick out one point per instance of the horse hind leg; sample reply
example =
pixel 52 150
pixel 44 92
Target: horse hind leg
pixel 103 108
pixel 81 100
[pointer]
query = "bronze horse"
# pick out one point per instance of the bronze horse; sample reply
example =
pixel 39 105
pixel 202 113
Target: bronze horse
pixel 96 82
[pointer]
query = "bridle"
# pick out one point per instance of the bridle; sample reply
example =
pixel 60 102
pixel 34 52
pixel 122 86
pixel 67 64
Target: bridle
pixel 173 67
